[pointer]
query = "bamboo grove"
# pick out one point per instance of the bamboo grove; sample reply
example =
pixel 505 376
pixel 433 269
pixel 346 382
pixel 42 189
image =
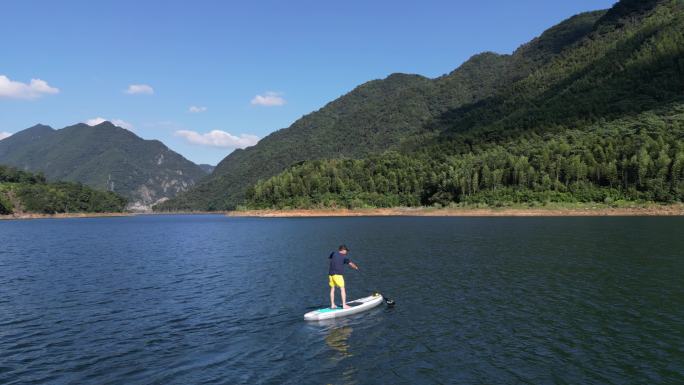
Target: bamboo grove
pixel 634 159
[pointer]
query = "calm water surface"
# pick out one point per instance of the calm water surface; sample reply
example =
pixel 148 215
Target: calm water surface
pixel 217 300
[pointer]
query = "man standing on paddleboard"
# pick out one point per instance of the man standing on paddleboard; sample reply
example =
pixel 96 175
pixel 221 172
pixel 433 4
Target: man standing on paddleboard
pixel 337 261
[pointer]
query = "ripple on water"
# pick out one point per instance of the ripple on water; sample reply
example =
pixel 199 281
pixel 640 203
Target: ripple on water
pixel 216 300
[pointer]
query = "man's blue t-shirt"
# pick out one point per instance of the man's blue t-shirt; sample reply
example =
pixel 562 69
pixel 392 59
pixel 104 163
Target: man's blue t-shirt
pixel 337 262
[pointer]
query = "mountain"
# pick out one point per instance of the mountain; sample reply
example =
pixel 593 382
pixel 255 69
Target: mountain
pixel 104 157
pixel 377 116
pixel 598 118
pixel 24 192
pixel 207 168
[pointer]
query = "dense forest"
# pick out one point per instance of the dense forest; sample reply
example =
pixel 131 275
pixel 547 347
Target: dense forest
pixel 602 121
pixel 21 191
pixel 635 159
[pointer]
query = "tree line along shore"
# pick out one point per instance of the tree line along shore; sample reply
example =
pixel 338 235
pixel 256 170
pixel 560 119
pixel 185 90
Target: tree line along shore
pixel 632 209
pixel 474 211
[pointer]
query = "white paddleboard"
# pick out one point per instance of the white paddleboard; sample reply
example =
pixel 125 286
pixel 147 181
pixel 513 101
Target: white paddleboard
pixel 355 306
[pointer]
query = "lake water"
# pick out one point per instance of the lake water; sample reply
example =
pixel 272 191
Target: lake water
pixel 218 300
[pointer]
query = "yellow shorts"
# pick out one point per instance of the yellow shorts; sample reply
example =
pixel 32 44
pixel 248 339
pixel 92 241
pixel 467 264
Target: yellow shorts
pixel 336 280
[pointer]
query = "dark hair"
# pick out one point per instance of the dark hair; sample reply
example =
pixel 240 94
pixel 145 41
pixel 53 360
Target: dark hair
pixel 342 247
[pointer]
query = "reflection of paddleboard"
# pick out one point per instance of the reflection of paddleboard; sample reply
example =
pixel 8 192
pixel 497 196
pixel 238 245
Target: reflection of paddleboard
pixel 356 306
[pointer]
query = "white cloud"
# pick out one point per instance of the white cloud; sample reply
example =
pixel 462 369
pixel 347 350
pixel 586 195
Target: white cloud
pixel 18 90
pixel 4 135
pixel 196 109
pixel 268 99
pixel 116 122
pixel 139 89
pixel 218 138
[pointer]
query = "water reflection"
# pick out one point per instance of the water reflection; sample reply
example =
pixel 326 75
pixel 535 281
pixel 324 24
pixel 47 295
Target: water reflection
pixel 337 340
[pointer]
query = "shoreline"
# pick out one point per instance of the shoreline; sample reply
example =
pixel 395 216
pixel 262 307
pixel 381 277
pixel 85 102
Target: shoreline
pixel 23 216
pixel 551 211
pixel 590 211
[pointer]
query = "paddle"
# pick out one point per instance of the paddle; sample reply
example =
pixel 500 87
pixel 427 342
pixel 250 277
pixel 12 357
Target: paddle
pixel 388 301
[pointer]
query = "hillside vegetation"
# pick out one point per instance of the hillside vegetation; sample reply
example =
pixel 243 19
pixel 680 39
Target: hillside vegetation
pixel 589 111
pixel 601 121
pixel 24 192
pixel 633 159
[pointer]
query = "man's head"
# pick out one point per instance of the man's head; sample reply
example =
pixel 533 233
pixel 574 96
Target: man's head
pixel 343 249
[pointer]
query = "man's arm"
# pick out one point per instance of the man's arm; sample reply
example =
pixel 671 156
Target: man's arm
pixel 353 265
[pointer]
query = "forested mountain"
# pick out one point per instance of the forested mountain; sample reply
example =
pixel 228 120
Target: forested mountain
pixel 377 116
pixel 104 157
pixel 588 111
pixel 601 120
pixel 22 192
pixel 634 158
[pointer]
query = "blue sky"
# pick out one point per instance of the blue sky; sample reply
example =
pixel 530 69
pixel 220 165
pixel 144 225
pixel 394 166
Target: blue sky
pixel 249 67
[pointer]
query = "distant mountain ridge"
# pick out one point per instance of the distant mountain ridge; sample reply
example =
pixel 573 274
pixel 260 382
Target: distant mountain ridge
pixel 104 157
pixel 207 168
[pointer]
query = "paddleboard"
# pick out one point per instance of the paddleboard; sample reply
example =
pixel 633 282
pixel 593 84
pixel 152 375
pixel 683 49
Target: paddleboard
pixel 355 306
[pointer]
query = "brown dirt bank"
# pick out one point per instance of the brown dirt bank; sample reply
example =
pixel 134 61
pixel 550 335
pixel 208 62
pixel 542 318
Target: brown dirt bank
pixel 668 210
pixel 181 212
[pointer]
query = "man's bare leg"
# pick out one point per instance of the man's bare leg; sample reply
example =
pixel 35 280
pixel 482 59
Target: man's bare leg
pixel 344 298
pixel 332 298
